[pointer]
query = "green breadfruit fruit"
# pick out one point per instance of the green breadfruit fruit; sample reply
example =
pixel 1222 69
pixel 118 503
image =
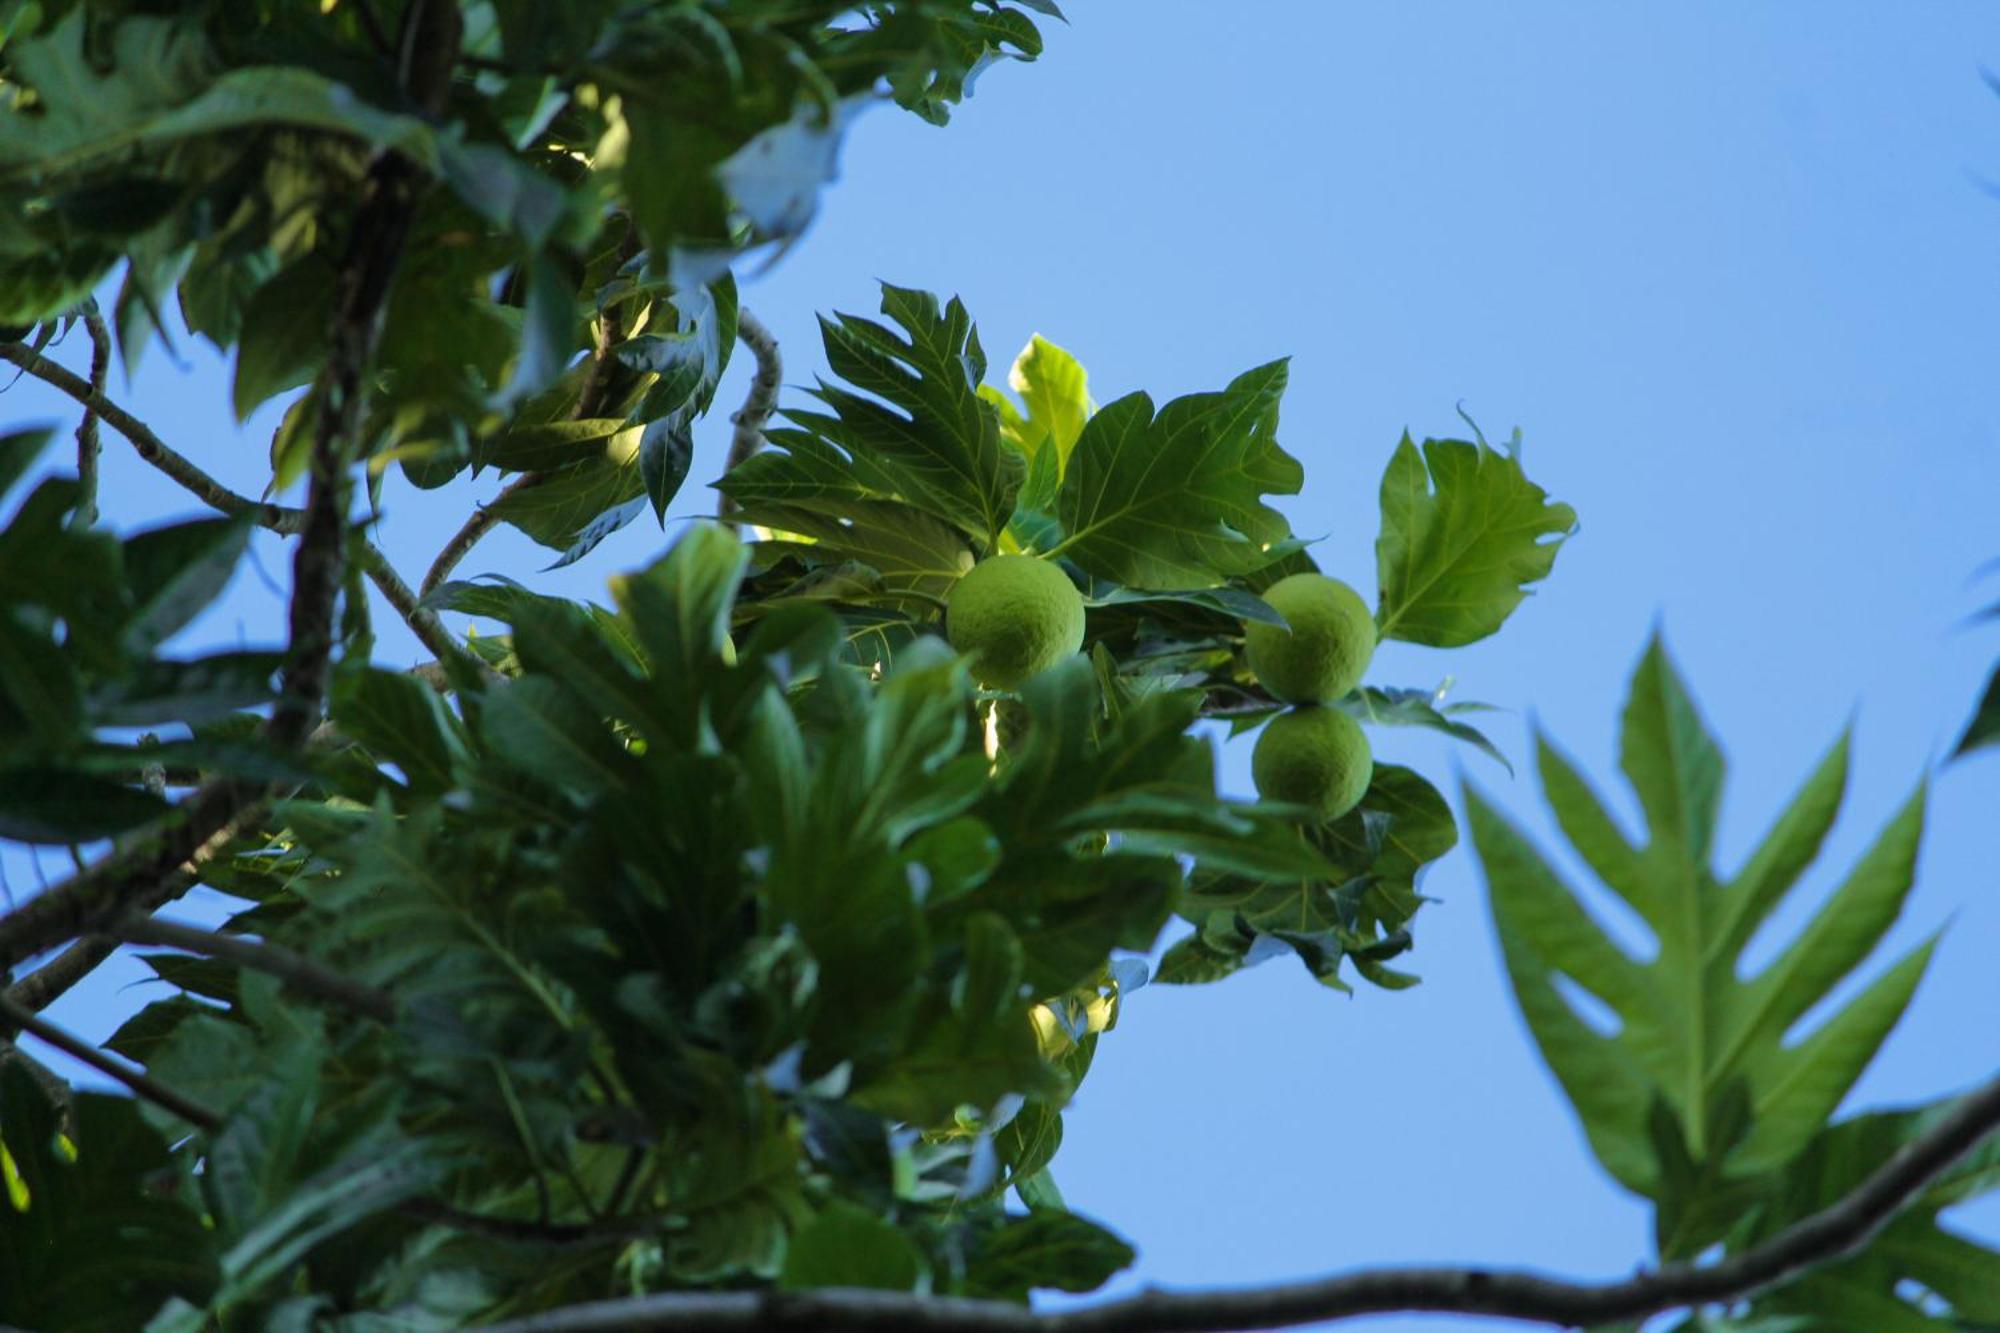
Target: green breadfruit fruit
pixel 1322 656
pixel 1013 616
pixel 1315 757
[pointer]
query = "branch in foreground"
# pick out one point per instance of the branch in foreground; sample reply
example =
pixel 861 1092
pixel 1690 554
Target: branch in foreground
pixel 423 621
pixel 757 403
pixel 87 447
pixel 150 446
pixel 295 970
pixel 1528 1297
pixel 208 818
pixel 41 987
pixel 77 1049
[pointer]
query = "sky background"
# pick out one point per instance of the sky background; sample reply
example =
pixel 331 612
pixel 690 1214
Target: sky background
pixel 1732 272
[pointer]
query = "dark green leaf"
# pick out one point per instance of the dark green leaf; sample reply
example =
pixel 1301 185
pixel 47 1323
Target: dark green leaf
pixel 1984 728
pixel 175 572
pixel 18 451
pixel 194 691
pixel 1047 1249
pixel 99 1245
pixel 283 341
pixel 55 806
pixel 405 722
pixel 846 1246
pixel 1417 708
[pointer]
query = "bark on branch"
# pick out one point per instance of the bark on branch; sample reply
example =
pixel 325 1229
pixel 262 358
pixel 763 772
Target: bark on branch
pixel 209 817
pixel 758 402
pixel 1526 1297
pixel 150 446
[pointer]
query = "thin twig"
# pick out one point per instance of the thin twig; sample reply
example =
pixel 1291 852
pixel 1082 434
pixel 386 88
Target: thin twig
pixel 757 403
pixel 149 446
pixel 371 25
pixel 296 970
pixel 1821 1238
pixel 77 1049
pixel 423 621
pixel 87 444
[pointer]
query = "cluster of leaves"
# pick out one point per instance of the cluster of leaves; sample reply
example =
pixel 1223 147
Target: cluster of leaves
pixel 592 158
pixel 83 615
pixel 725 943
pixel 915 469
pixel 726 936
pixel 1707 1099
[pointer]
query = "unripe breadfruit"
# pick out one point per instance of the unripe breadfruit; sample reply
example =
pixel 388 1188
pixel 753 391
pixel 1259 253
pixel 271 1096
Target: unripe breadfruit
pixel 1014 616
pixel 1316 757
pixel 1322 656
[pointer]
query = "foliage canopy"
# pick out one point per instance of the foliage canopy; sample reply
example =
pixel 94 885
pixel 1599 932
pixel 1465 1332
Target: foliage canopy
pixel 726 936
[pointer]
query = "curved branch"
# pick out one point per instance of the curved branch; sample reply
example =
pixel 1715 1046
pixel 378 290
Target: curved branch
pixel 149 446
pixel 294 969
pixel 1501 1294
pixel 423 621
pixel 208 819
pixel 481 522
pixel 757 403
pixel 43 986
pixel 77 1049
pixel 87 445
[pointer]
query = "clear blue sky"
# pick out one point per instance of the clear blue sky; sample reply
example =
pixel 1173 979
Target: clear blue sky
pixel 1729 267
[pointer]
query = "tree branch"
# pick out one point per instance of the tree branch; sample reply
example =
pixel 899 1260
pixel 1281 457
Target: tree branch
pixel 149 446
pixel 87 445
pixel 209 817
pixel 43 986
pixel 423 621
pixel 1501 1294
pixel 295 970
pixel 77 1049
pixel 757 403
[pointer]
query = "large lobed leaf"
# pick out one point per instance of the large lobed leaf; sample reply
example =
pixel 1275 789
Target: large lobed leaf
pixel 91 1238
pixel 1707 1083
pixel 1463 532
pixel 917 435
pixel 1175 499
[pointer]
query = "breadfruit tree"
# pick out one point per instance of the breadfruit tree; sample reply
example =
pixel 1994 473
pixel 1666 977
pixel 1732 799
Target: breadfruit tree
pixel 728 951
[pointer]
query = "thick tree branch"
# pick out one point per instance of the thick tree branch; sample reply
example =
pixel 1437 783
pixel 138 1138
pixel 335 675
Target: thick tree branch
pixel 149 446
pixel 43 986
pixel 1500 1294
pixel 757 403
pixel 77 1049
pixel 295 970
pixel 208 820
pixel 87 445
